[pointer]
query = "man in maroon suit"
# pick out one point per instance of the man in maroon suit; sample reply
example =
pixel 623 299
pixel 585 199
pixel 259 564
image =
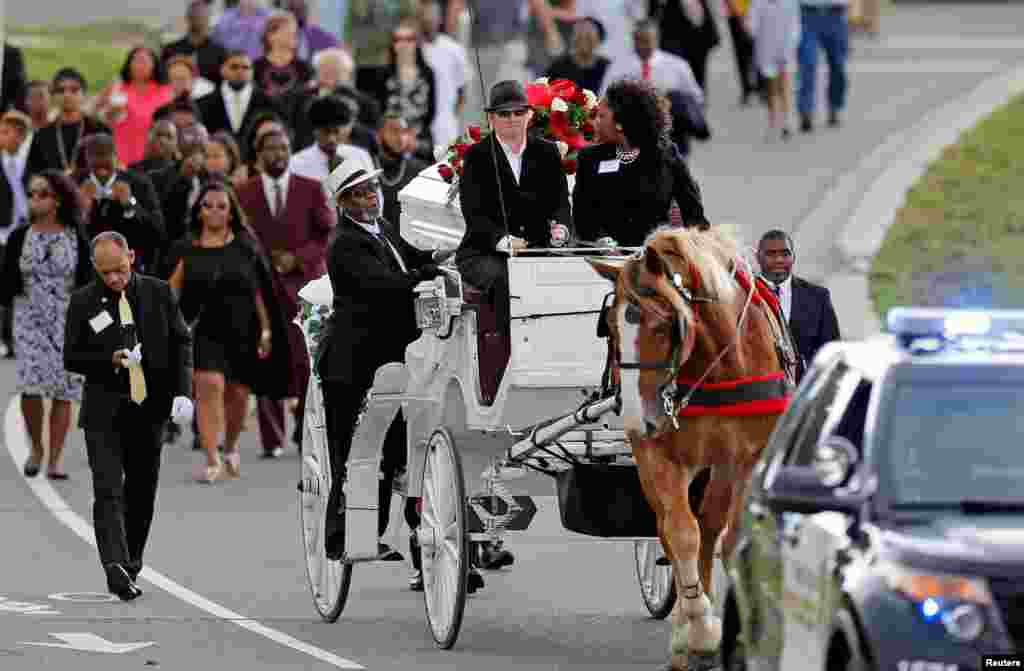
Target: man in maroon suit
pixel 290 216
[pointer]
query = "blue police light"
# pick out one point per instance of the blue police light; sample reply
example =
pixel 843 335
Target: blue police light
pixel 930 608
pixel 931 329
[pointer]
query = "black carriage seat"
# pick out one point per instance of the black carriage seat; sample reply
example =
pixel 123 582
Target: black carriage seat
pixel 492 342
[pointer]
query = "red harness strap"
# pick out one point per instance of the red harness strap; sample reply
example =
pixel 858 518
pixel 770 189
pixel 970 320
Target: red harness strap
pixel 744 397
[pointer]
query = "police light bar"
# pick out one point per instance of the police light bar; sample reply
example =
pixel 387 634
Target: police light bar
pixel 951 324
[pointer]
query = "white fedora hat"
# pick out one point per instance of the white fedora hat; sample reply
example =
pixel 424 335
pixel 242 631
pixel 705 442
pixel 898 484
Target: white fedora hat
pixel 349 174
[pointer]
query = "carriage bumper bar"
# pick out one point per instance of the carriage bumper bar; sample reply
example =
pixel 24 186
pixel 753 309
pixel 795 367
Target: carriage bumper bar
pixel 544 434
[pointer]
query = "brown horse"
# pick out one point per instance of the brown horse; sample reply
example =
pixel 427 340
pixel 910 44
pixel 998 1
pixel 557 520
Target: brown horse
pixel 698 357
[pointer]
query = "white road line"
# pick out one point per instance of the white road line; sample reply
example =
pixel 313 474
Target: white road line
pixel 17 447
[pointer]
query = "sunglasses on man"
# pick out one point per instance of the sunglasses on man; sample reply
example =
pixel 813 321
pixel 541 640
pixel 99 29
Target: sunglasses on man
pixel 508 114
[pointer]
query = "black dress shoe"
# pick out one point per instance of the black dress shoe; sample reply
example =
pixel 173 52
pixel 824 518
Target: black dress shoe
pixel 833 119
pixel 806 125
pixel 387 553
pixel 475 581
pixel 493 559
pixel 31 468
pixel 120 583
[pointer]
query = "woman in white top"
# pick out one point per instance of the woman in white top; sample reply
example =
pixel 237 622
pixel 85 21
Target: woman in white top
pixel 775 27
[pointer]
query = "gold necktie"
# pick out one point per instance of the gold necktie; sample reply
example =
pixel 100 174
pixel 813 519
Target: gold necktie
pixel 136 378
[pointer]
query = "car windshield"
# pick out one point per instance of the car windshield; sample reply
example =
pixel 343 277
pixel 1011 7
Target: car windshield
pixel 949 443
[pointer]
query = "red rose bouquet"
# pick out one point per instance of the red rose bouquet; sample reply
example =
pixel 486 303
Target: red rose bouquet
pixel 562 112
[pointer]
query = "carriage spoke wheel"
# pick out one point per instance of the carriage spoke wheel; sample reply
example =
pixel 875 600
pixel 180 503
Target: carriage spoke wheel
pixel 443 538
pixel 328 580
pixel 657 587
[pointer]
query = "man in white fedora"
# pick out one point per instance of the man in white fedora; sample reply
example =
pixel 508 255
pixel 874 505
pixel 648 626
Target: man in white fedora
pixel 373 272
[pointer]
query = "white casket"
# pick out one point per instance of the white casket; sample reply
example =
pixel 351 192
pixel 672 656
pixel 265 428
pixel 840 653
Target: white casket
pixel 431 216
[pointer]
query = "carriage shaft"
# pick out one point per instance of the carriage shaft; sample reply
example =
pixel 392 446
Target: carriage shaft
pixel 543 435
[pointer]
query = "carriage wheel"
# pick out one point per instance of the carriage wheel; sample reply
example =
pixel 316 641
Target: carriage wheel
pixel 657 587
pixel 444 540
pixel 329 581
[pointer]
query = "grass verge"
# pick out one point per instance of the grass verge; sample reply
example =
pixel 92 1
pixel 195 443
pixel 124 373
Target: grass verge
pixel 958 240
pixel 97 50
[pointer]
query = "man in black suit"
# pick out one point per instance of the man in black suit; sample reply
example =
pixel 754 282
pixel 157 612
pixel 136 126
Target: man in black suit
pixel 178 186
pixel 807 306
pixel 161 148
pixel 236 101
pixel 513 192
pixel 122 201
pixel 373 272
pixel 125 334
pixel 53 147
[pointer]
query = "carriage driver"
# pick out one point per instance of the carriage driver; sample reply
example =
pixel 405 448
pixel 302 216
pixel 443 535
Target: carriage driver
pixel 373 272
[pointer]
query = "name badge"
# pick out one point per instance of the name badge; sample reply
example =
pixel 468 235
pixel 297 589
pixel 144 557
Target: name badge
pixel 101 321
pixel 611 165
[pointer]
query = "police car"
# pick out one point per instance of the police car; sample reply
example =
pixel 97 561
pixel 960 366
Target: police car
pixel 884 527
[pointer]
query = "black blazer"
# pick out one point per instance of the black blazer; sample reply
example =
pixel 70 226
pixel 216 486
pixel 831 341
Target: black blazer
pixel 144 230
pixel 166 349
pixel 214 113
pixel 629 202
pixel 541 195
pixel 7 195
pixel 13 284
pixel 373 319
pixel 812 319
pixel 45 152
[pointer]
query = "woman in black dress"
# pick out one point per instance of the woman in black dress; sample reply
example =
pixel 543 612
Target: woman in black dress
pixel 240 342
pixel 626 185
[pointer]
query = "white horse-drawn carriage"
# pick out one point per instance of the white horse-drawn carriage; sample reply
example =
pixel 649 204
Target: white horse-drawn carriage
pixel 548 414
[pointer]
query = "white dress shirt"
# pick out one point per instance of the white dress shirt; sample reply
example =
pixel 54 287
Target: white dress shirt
pixel 104 190
pixel 230 96
pixel 270 185
pixel 515 160
pixel 786 296
pixel 668 73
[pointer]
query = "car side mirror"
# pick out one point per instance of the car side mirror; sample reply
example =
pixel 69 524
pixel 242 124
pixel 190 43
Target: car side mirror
pixel 800 489
pixel 834 460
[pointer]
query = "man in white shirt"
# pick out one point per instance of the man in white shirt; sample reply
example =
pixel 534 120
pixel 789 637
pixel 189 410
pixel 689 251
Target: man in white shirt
pixel 332 122
pixel 14 129
pixel 665 71
pixel 450 63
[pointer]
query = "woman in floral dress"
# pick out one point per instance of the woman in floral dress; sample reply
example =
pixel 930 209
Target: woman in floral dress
pixel 44 262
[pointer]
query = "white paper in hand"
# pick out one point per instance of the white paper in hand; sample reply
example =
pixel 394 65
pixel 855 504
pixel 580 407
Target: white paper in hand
pixel 181 410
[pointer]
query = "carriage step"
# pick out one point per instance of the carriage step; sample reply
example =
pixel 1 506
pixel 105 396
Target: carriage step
pixel 483 508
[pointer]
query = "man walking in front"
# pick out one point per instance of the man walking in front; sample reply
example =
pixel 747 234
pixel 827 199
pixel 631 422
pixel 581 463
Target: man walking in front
pixel 808 307
pixel 125 334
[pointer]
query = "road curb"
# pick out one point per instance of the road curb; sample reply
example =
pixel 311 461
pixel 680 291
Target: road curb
pixel 897 164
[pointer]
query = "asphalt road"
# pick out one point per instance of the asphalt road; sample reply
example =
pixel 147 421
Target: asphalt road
pixel 231 590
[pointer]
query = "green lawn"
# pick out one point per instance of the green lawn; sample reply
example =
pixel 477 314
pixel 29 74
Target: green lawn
pixel 98 50
pixel 959 237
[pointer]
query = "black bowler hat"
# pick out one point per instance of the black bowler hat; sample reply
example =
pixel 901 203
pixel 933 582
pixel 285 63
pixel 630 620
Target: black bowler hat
pixel 507 95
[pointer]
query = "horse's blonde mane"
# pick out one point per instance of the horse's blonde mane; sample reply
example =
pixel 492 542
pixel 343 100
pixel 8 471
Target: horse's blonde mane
pixel 711 253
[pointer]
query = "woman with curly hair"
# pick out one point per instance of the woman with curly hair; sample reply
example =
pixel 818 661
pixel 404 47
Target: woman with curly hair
pixel 43 263
pixel 240 338
pixel 626 184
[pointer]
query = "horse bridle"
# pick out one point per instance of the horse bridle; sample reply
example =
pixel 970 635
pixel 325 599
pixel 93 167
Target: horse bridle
pixel 667 389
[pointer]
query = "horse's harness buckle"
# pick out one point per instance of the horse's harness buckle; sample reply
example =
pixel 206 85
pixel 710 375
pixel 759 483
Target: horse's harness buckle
pixel 668 402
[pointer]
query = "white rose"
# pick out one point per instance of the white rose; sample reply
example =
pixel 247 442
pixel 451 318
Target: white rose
pixel 543 81
pixel 563 148
pixel 559 105
pixel 591 99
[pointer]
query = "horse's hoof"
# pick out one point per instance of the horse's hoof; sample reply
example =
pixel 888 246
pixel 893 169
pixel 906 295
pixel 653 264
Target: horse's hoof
pixel 704 661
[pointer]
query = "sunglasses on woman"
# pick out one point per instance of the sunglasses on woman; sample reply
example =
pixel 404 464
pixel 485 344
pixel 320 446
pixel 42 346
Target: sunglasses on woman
pixel 508 114
pixel 40 193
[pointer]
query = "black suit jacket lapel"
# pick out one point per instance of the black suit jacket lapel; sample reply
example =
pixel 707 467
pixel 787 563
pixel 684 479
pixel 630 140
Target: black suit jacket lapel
pixel 379 250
